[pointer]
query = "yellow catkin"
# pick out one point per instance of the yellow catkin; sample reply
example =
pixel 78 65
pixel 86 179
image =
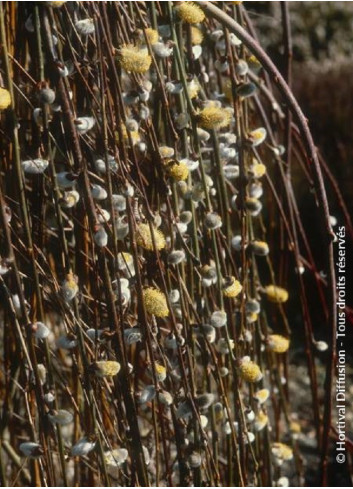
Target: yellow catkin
pixel 144 237
pixel 152 35
pixel 166 151
pixel 70 286
pixel 278 343
pixel 161 372
pixel 55 4
pixel 282 451
pixel 124 260
pixel 196 36
pixel 251 317
pixel 258 169
pixel 233 289
pixel 155 302
pixel 276 294
pixel 5 98
pixel 193 88
pixel 133 59
pixel 262 395
pixel 250 371
pixel 178 171
pixel 190 13
pixel 257 136
pixel 214 118
pixel 254 63
pixel 260 247
pixel 105 368
pixel 261 421
pixel 134 135
pixel 295 427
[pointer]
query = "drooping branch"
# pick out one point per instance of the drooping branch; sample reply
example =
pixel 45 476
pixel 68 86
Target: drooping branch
pixel 223 18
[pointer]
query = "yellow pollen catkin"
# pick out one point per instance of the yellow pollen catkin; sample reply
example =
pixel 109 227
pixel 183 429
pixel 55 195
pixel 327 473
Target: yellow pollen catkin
pixel 258 170
pixel 155 302
pixel 55 4
pixel 193 88
pixel 152 35
pixel 276 294
pixel 144 237
pixel 178 171
pixel 5 98
pixel 257 136
pixel 254 63
pixel 106 368
pixel 124 260
pixel 251 317
pixel 126 135
pixel 196 36
pixel 250 371
pixel 70 282
pixel 161 371
pixel 214 118
pixel 261 421
pixel 134 60
pixel 295 427
pixel 278 343
pixel 233 289
pixel 166 151
pixel 282 451
pixel 262 395
pixel 190 13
